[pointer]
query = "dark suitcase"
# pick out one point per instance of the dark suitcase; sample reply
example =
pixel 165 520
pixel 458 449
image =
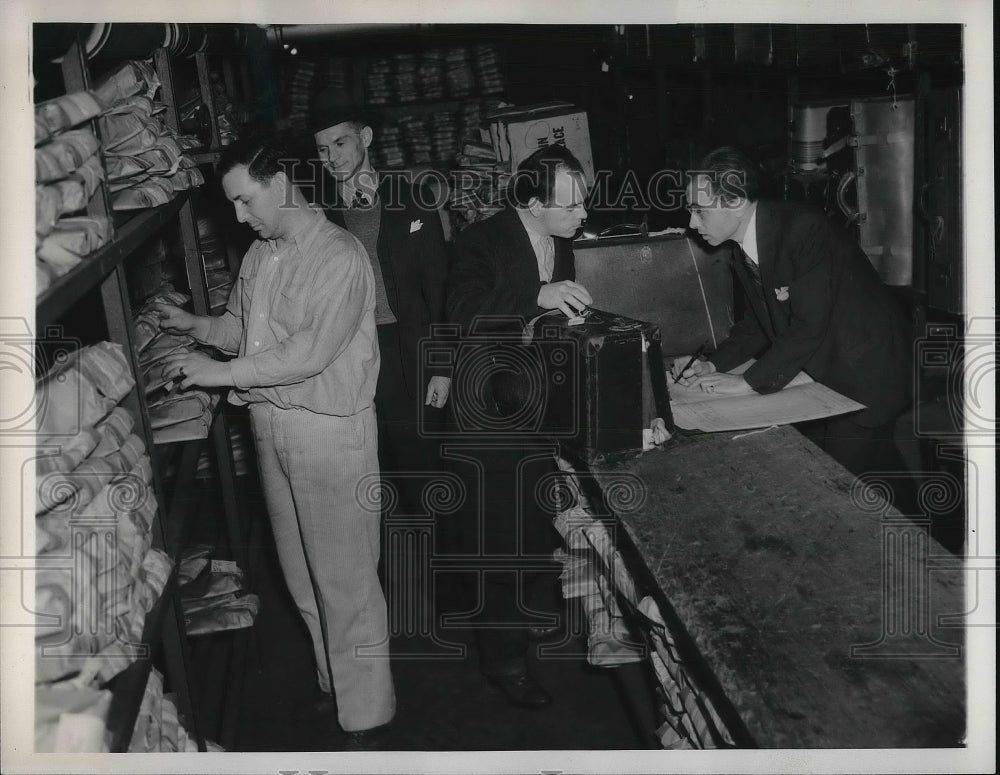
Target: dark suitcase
pixel 673 282
pixel 607 385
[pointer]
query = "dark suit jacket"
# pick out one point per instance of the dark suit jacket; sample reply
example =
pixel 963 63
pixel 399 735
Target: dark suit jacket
pixel 493 288
pixel 495 272
pixel 414 263
pixel 821 309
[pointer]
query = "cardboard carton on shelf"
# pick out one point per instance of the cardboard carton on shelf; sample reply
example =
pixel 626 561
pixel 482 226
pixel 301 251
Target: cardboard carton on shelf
pixel 519 131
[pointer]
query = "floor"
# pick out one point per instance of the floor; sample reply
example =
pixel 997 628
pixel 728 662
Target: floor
pixel 443 703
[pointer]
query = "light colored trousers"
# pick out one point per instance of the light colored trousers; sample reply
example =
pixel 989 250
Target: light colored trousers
pixel 327 536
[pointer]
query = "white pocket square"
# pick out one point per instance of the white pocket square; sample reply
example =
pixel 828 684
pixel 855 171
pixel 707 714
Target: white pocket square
pixel 416 225
pixel 781 293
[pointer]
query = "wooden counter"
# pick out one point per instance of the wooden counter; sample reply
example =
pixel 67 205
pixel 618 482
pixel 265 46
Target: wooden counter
pixel 762 553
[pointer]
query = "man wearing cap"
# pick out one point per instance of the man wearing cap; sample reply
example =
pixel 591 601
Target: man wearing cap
pixel 400 228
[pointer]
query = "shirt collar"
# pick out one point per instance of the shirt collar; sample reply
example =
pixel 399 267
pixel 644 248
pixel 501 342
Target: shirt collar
pixel 536 237
pixel 366 181
pixel 305 235
pixel 749 241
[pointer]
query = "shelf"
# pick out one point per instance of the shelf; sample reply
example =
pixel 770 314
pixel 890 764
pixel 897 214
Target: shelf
pixel 203 157
pixel 129 685
pixel 69 288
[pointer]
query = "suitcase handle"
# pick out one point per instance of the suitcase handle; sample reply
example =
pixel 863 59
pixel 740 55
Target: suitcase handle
pixel 852 215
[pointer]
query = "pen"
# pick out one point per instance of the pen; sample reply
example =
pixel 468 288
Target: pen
pixel 698 353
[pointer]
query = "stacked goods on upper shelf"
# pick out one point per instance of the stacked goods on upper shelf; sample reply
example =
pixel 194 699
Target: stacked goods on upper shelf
pixel 377 91
pixel 152 267
pixel 228 115
pixel 67 173
pixel 404 78
pixel 458 75
pixel 299 84
pixel 418 136
pixel 145 160
pixel 97 574
pixel 213 255
pixel 335 73
pixel 477 185
pixel 195 116
pixel 174 414
pixel 431 74
pixel 486 63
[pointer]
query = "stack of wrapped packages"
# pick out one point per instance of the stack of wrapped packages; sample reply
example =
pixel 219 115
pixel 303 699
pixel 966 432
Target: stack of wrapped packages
pixel 594 572
pixel 213 593
pixel 157 727
pixel 145 159
pixel 174 414
pixel 213 255
pixel 67 172
pixel 478 184
pixel 98 575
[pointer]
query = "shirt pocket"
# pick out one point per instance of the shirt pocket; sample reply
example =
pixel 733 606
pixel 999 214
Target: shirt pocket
pixel 288 308
pixel 246 292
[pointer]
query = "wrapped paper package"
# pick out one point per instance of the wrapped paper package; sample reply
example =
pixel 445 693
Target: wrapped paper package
pixel 65 112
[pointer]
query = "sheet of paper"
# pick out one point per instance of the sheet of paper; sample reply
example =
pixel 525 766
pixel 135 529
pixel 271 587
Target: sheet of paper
pixel 801 400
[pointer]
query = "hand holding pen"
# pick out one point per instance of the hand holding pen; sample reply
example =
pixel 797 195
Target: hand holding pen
pixel 693 368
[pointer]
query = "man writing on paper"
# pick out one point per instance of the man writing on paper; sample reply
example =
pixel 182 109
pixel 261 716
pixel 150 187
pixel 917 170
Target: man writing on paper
pixel 815 304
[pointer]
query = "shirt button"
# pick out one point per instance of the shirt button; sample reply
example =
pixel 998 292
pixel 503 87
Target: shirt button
pixel 261 315
pixel 256 344
pixel 274 258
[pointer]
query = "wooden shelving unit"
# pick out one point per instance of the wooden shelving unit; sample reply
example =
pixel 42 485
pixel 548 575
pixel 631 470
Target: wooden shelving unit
pixel 104 270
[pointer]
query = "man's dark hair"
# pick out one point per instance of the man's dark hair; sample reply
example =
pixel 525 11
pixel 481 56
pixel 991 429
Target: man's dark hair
pixel 264 156
pixel 536 175
pixel 730 174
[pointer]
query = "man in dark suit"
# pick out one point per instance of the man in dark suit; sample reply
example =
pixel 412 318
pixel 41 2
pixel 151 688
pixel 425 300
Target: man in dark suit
pixel 401 230
pixel 815 304
pixel 508 269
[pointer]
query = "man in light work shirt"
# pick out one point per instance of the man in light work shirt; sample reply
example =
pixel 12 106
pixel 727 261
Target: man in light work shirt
pixel 300 320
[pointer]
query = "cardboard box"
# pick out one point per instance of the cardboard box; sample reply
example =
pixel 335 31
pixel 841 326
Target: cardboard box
pixel 518 132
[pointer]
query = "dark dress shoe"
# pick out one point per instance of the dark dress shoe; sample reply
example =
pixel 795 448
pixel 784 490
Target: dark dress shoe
pixel 373 739
pixel 544 632
pixel 521 690
pixel 324 705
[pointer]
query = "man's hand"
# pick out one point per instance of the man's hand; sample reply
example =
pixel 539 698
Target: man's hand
pixel 174 320
pixel 438 389
pixel 726 384
pixel 566 295
pixel 689 376
pixel 193 368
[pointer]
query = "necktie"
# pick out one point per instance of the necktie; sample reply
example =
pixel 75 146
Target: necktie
pixel 360 200
pixel 752 268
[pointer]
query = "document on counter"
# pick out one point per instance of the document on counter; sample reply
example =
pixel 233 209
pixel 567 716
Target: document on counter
pixel 800 400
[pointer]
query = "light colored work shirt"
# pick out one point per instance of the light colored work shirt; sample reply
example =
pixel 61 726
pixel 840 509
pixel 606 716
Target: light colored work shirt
pixel 301 321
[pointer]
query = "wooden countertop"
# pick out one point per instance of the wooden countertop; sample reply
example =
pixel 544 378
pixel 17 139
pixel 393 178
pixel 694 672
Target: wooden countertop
pixel 775 571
